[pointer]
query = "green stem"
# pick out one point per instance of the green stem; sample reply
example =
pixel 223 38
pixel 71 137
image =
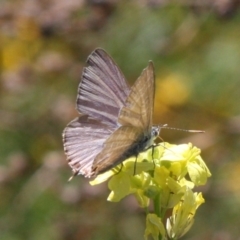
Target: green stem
pixel 147 211
pixel 156 204
pixel 157 209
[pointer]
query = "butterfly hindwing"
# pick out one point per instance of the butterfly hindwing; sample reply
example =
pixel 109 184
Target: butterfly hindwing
pixel 83 140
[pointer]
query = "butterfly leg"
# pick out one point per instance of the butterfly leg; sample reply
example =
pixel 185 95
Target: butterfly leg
pixel 135 166
pixel 120 169
pixel 153 146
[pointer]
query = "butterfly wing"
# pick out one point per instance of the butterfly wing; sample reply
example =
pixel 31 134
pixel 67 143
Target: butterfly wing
pixel 138 109
pixel 118 147
pixel 83 139
pixel 136 120
pixel 101 94
pixel 103 89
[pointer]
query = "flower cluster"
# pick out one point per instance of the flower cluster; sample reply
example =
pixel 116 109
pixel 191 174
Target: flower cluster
pixel 165 175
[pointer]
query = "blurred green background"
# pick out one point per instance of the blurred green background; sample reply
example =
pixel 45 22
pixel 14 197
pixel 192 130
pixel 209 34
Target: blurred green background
pixel 195 46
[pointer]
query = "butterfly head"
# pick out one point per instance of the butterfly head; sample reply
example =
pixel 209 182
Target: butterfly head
pixel 154 135
pixel 155 131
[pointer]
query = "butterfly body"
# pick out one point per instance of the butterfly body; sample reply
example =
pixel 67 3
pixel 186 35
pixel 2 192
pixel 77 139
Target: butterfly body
pixel 115 120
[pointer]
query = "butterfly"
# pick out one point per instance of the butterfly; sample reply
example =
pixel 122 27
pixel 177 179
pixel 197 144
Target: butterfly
pixel 115 121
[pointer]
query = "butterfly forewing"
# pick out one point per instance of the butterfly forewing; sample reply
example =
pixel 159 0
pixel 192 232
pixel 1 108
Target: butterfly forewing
pixel 103 89
pixel 136 120
pixel 138 108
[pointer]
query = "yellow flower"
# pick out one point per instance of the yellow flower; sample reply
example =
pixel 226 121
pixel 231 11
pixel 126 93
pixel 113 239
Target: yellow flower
pixel 154 227
pixel 183 214
pixel 159 175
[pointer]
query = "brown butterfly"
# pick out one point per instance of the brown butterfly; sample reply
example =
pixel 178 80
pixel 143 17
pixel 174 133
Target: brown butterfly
pixel 115 121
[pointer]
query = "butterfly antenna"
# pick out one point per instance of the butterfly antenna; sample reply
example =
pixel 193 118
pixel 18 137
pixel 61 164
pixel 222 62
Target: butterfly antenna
pixel 183 130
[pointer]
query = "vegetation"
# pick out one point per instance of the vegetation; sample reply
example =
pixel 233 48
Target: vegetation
pixel 195 48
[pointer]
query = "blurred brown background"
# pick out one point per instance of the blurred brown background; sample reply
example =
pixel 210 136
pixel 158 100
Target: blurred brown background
pixel 195 46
